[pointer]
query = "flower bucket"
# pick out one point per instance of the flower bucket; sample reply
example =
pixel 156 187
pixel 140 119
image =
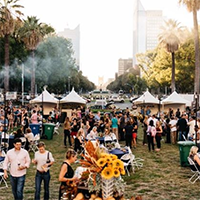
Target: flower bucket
pixel 107 186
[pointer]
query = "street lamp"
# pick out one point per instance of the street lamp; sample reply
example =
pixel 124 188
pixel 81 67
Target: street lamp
pixel 196 110
pixel 22 84
pixel 132 89
pixel 101 96
pixel 69 83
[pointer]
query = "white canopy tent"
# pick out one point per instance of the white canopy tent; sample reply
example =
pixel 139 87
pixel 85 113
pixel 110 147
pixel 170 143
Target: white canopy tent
pixel 71 101
pixel 175 101
pixel 174 98
pixel 45 99
pixel 146 98
pixel 73 97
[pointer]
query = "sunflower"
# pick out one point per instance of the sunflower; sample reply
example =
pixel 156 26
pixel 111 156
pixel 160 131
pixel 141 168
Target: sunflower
pixel 101 162
pixel 108 159
pixel 110 164
pixel 107 173
pixel 122 171
pixel 113 157
pixel 116 173
pixel 104 155
pixel 118 164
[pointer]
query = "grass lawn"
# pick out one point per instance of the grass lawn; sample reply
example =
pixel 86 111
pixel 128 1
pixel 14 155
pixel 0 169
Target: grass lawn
pixel 161 177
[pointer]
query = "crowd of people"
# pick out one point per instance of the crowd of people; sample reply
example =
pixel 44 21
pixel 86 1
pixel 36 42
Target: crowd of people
pixel 82 125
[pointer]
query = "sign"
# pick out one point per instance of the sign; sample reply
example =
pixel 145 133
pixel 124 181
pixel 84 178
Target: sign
pixel 11 95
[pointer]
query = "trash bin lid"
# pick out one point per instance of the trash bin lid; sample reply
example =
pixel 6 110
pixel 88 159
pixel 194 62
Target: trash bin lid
pixel 49 124
pixel 186 143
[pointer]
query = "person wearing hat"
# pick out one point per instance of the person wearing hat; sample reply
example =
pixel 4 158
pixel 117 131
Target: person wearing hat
pixel 43 160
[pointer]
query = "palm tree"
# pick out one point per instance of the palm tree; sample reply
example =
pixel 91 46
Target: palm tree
pixel 9 13
pixel 32 33
pixel 193 6
pixel 171 37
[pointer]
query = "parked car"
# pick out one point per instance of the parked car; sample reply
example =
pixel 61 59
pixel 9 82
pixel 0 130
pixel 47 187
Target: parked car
pixel 100 102
pixel 116 99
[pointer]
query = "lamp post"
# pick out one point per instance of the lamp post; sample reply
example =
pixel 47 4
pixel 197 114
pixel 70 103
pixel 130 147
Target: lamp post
pixel 196 109
pixel 101 97
pixel 136 85
pixel 159 106
pixel 69 83
pixel 22 84
pixel 132 89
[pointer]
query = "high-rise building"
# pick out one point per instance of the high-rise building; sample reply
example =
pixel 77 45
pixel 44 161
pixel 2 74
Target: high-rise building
pixel 124 65
pixel 154 21
pixel 146 27
pixel 74 36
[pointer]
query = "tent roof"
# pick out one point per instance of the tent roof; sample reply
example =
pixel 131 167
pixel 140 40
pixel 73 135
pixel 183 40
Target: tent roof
pixel 73 97
pixel 44 97
pixel 146 98
pixel 175 98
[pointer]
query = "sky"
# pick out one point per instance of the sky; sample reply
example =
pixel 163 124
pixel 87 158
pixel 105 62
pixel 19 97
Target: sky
pixel 105 27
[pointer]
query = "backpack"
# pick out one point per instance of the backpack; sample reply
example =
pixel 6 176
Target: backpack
pixel 153 131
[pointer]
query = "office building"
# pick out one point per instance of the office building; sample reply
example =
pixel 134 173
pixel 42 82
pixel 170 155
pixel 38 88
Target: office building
pixel 124 65
pixel 74 36
pixel 146 27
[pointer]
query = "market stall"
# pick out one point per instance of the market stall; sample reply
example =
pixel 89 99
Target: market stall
pixel 147 100
pixel 71 101
pixel 47 100
pixel 174 101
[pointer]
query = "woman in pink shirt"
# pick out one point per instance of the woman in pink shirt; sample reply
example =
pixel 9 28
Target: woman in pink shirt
pixel 34 117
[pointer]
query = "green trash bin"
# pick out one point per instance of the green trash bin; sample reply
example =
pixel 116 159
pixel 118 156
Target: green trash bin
pixel 48 130
pixel 184 148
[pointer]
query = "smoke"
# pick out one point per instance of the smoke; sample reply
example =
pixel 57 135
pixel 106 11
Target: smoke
pixel 53 62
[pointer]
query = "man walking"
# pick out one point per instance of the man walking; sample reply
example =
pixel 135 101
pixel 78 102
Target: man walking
pixel 43 159
pixel 173 129
pixel 19 160
pixel 182 127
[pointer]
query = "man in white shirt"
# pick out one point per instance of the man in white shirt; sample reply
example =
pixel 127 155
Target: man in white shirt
pixel 153 117
pixel 173 129
pixel 19 160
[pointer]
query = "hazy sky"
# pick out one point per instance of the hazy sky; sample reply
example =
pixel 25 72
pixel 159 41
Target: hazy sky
pixel 105 25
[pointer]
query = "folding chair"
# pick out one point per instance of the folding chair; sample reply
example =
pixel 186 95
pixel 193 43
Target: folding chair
pixel 137 162
pixel 185 139
pixel 4 141
pixel 23 139
pixel 56 128
pixel 114 138
pixel 33 144
pixel 128 162
pixel 2 179
pixel 194 170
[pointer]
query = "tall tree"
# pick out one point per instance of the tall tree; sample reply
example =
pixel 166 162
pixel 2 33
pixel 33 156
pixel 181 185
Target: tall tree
pixel 171 37
pixel 9 13
pixel 193 6
pixel 32 33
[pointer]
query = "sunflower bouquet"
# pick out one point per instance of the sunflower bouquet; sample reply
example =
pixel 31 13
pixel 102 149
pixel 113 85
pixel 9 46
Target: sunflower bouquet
pixel 102 167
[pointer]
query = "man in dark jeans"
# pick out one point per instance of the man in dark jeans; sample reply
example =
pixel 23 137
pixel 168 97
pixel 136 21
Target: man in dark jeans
pixel 43 159
pixel 18 159
pixel 182 128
